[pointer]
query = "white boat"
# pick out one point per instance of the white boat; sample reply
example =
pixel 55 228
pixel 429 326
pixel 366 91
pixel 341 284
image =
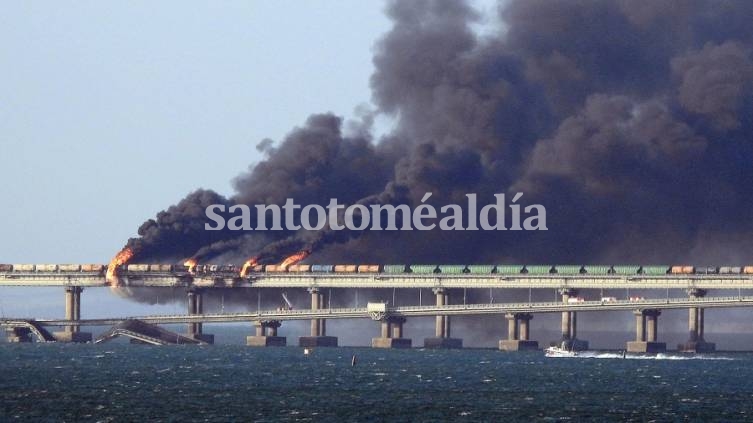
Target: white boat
pixel 559 352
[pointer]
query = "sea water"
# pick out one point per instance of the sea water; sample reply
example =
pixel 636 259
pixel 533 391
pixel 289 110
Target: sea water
pixel 124 382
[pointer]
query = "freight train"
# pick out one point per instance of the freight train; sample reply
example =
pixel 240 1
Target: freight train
pixel 50 268
pixel 505 269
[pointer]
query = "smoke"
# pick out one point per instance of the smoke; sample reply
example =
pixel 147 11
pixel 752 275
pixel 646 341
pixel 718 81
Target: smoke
pixel 630 121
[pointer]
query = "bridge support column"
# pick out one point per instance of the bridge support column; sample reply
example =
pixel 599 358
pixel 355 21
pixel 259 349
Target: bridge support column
pixel 391 334
pixel 646 333
pixel 266 335
pixel 442 338
pixel 73 312
pixel 569 325
pixel 196 307
pixel 696 343
pixel 518 333
pixel 318 337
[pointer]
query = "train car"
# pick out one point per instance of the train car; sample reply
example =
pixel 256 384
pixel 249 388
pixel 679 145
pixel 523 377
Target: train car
pixel 6 267
pixel 228 268
pixel 299 268
pixel 139 268
pixel 393 268
pixel 567 269
pixel 368 268
pixel 69 267
pixel 730 270
pixel 748 270
pixel 654 270
pixel 92 268
pixel 626 270
pixel 510 269
pixel 275 268
pixel 322 268
pixel 537 269
pixel 179 268
pixel 423 268
pixel 345 268
pixel 47 268
pixel 706 270
pixel 597 270
pixel 452 269
pixel 480 269
pixel 160 268
pixel 24 267
pixel 681 270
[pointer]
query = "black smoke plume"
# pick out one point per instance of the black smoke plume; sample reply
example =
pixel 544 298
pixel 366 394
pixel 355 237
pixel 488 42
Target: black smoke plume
pixel 630 121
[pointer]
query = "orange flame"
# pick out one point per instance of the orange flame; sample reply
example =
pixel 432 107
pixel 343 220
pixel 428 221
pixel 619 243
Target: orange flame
pixel 120 259
pixel 247 265
pixel 295 258
pixel 191 263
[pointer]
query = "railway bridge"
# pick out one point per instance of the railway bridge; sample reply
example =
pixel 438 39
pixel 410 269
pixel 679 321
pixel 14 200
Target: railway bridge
pixel 445 289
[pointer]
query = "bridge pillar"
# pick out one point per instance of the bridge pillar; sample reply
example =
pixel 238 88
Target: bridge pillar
pixel 196 307
pixel 318 337
pixel 518 333
pixel 569 325
pixel 391 334
pixel 266 335
pixel 646 333
pixel 696 343
pixel 442 337
pixel 72 333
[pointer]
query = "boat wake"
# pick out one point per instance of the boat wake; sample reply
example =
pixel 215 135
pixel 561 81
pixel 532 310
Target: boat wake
pixel 660 356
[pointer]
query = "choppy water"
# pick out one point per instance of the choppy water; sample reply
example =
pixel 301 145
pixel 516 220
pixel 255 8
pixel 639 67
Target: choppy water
pixel 123 382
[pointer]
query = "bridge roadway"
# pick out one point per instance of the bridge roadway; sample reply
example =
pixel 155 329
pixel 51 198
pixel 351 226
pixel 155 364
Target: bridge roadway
pixel 364 280
pixel 415 311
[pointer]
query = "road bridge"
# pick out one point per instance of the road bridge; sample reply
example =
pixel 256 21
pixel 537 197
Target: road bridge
pixel 518 315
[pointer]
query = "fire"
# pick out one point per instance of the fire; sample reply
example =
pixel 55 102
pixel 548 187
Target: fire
pixel 247 265
pixel 191 264
pixel 120 259
pixel 295 258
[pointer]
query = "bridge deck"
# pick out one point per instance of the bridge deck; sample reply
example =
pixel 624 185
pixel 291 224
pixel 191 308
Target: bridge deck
pixel 356 280
pixel 415 311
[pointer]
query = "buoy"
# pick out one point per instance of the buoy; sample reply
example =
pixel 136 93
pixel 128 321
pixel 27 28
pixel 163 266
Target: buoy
pixel 306 351
pixel 353 361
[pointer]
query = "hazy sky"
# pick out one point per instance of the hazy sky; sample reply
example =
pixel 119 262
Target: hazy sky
pixel 110 112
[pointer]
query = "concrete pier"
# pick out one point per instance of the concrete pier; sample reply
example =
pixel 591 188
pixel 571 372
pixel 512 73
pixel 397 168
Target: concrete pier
pixel 646 333
pixel 391 335
pixel 266 335
pixel 569 326
pixel 696 342
pixel 73 312
pixel 318 336
pixel 518 332
pixel 442 330
pixel 196 306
